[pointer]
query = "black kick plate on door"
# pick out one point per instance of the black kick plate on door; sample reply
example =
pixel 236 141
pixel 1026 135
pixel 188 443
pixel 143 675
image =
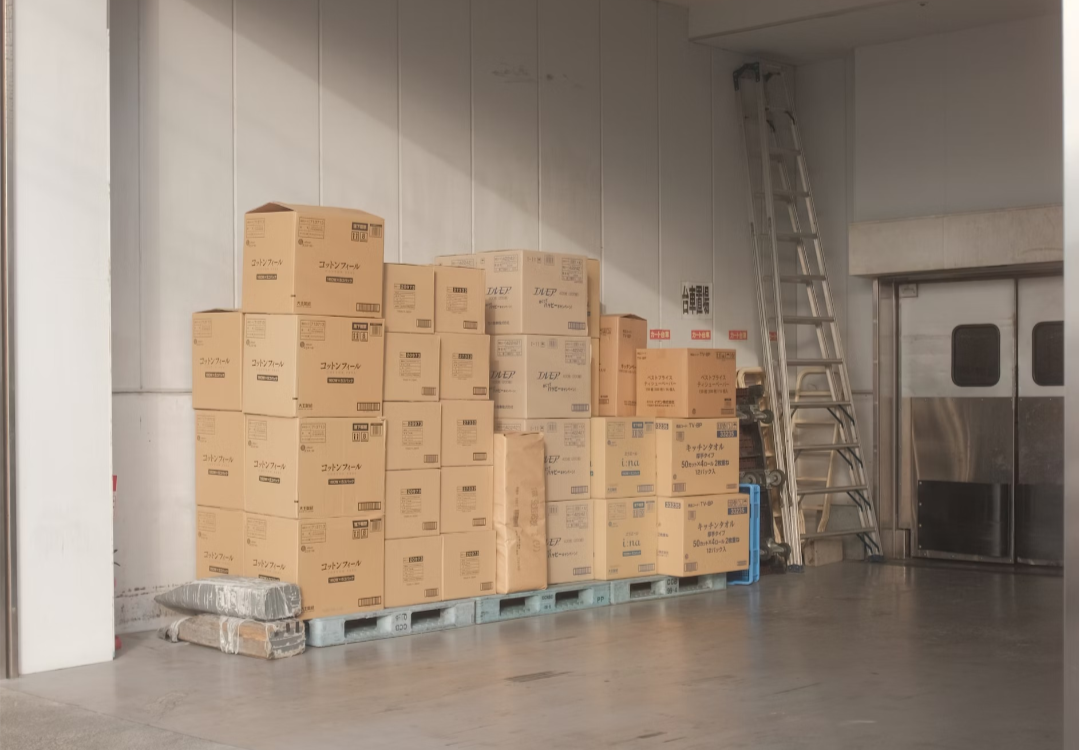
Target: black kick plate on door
pixel 964 518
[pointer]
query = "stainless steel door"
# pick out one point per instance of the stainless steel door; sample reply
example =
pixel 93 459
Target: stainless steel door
pixel 957 382
pixel 1040 409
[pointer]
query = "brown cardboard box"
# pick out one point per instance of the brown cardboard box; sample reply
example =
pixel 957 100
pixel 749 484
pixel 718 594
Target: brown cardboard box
pixel 467 429
pixel 459 300
pixel 217 351
pixel 594 360
pixel 466 499
pixel 409 298
pixel 592 270
pixel 412 503
pixel 464 368
pixel 541 376
pixel 219 542
pixel 625 534
pixel 531 292
pixel 623 457
pixel 620 338
pixel 412 367
pixel 703 535
pixel 337 562
pixel 219 459
pixel 696 456
pixel 313 259
pixel 468 564
pixel 314 467
pixel 312 366
pixel 413 435
pixel 566 449
pixel 686 383
pixel 414 571
pixel 570 541
pixel 520 524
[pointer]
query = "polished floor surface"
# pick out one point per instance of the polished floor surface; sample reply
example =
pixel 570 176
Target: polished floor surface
pixel 847 656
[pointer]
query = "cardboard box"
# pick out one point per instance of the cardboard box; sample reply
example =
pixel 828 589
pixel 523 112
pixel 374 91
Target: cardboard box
pixel 460 295
pixel 592 270
pixel 464 367
pixel 620 338
pixel 467 430
pixel 337 562
pixel 313 259
pixel 570 541
pixel 219 459
pixel 312 366
pixel 466 499
pixel 219 542
pixel 519 510
pixel 314 467
pixel 566 451
pixel 413 435
pixel 412 503
pixel 625 538
pixel 409 298
pixel 696 456
pixel 412 367
pixel 549 377
pixel 686 383
pixel 468 564
pixel 703 535
pixel 531 292
pixel 414 571
pixel 217 351
pixel 594 361
pixel 623 457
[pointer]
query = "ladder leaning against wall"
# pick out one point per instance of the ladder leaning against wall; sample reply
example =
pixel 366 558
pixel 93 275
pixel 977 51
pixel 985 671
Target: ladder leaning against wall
pixel 799 332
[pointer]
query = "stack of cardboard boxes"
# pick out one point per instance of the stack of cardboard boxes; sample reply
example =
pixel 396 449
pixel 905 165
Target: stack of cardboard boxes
pixel 702 522
pixel 541 382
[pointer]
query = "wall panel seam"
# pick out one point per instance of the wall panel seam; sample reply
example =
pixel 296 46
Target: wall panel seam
pixel 600 92
pixel 472 138
pixel 659 183
pixel 138 182
pixel 397 51
pixel 237 292
pixel 539 141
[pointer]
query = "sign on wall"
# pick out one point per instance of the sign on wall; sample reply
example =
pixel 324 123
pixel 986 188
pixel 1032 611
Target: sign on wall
pixel 696 300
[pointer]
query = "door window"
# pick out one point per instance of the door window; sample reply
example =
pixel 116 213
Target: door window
pixel 1048 353
pixel 976 356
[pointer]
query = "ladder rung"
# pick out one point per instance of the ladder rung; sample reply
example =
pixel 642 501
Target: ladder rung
pixel 838 490
pixel 795 236
pixel 803 278
pixel 784 195
pixel 808 319
pixel 805 362
pixel 824 447
pixel 809 404
pixel 777 153
pixel 812 535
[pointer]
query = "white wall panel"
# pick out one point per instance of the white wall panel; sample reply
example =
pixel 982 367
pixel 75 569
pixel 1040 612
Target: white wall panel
pixel 506 170
pixel 734 285
pixel 60 326
pixel 277 105
pixel 685 107
pixel 628 82
pixel 154 456
pixel 570 126
pixel 436 141
pixel 186 188
pixel 124 178
pixel 359 158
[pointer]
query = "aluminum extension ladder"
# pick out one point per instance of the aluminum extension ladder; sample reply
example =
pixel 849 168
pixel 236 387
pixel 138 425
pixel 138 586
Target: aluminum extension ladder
pixel 788 255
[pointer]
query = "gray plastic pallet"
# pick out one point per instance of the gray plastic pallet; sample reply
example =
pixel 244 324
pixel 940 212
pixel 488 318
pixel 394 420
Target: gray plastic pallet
pixel 561 598
pixel 658 587
pixel 390 623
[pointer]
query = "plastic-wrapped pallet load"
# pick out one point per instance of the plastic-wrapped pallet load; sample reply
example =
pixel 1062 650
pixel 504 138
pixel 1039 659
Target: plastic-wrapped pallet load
pixel 520 523
pixel 235 596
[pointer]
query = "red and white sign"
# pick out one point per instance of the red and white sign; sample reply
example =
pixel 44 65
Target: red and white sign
pixel 772 335
pixel 737 335
pixel 659 334
pixel 701 335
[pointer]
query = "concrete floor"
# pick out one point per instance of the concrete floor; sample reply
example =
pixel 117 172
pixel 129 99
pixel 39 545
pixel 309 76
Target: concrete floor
pixel 847 656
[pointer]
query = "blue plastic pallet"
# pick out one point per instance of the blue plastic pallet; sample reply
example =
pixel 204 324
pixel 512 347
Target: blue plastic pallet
pixel 390 623
pixel 560 598
pixel 659 587
pixel 753 574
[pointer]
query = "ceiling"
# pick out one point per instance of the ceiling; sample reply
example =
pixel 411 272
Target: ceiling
pixel 800 31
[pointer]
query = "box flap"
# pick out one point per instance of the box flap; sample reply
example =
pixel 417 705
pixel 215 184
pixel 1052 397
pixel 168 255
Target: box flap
pixel 279 207
pixel 216 310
